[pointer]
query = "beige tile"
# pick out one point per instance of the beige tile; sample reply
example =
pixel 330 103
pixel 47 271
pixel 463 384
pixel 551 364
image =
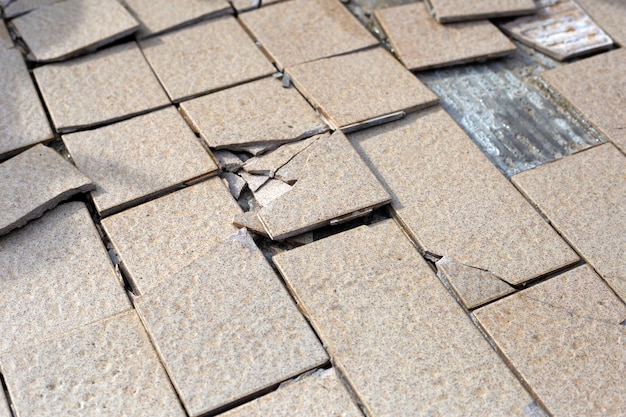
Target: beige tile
pixel 594 85
pixel 4 407
pixel 130 161
pixel 155 240
pixel 5 37
pixel 610 15
pixel 254 181
pixel 226 328
pixel 61 30
pixel 351 89
pixel 235 183
pixel 461 10
pixel 455 203
pixel 565 339
pixel 102 87
pixel 106 368
pixel 19 7
pixel 291 32
pixel 584 197
pixel 23 121
pixel 421 42
pixel 250 221
pixel 205 57
pixel 270 191
pixel 36 181
pixel 393 330
pixel 272 162
pixel 57 276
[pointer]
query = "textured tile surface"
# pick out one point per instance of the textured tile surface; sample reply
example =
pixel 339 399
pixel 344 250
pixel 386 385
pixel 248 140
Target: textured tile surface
pixel 394 331
pixel 421 42
pixel 226 328
pixel 4 406
pixel 272 162
pixel 106 368
pixel 462 10
pixel 564 337
pixel 98 88
pixel 19 7
pixel 5 38
pixel 610 15
pixel 131 160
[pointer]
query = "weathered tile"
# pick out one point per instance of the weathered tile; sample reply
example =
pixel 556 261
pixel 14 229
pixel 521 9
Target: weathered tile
pixel 584 197
pixel 290 31
pixel 20 7
pixel 235 183
pixel 352 89
pixel 36 181
pixel 61 30
pixel 106 368
pixel 132 160
pixel 4 406
pixel 254 181
pixel 270 191
pixel 228 161
pixel 446 11
pixel 5 37
pixel 157 239
pixel 421 42
pixel 237 332
pixel 396 334
pixel 565 339
pixel 593 86
pixel 272 162
pixel 205 57
pixel 455 203
pixel 99 88
pixel 56 276
pixel 610 15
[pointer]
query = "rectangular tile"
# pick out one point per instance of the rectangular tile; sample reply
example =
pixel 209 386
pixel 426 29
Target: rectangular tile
pixel 610 15
pixel 446 11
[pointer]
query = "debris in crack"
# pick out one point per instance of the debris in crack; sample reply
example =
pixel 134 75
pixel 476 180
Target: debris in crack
pixel 235 183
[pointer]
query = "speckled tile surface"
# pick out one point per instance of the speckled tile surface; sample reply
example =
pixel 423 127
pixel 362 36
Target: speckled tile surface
pixel 462 10
pixel 19 7
pixel 610 15
pixel 5 38
pixel 4 406
pixel 270 163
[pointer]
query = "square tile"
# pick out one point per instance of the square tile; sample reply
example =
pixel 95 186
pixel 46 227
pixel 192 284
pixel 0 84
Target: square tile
pixel 610 15
pixel 446 11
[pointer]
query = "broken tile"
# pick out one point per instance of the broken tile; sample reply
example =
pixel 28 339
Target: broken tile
pixel 4 406
pixel 272 162
pixel 454 202
pixel 36 181
pixel 257 113
pixel 584 197
pixel 228 161
pixel 375 302
pixel 57 276
pixel 270 191
pixel 125 86
pixel 594 85
pixel 61 30
pixel 254 181
pixel 106 368
pixel 565 339
pixel 20 7
pixel 420 42
pixel 250 221
pixel 155 240
pixel 235 183
pixel 237 333
pixel 291 34
pixel 205 57
pixel 352 89
pixel 5 37
pixel 132 160
pixel 610 15
pixel 446 11
pixel 245 5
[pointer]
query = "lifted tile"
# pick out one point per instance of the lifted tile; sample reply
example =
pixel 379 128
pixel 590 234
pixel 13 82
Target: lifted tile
pixel 254 181
pixel 565 339
pixel 610 15
pixel 106 368
pixel 446 11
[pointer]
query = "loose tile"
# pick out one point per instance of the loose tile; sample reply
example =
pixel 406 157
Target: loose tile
pixel 57 276
pixel 564 337
pixel 272 162
pixel 256 113
pixel 155 240
pixel 124 86
pixel 455 203
pixel 61 30
pixel 5 37
pixel 446 11
pixel 610 15
pixel 584 197
pixel 250 221
pixel 254 181
pixel 270 191
pixel 237 333
pixel 36 181
pixel 20 7
pixel 106 368
pixel 352 89
pixel 228 161
pixel 290 31
pixel 130 161
pixel 393 330
pixel 205 57
pixel 422 43
pixel 235 183
pixel 594 85
pixel 4 407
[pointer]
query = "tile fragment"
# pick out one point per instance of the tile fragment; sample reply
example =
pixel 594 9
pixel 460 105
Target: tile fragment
pixel 610 15
pixel 250 221
pixel 254 181
pixel 270 191
pixel 235 183
pixel 272 162
pixel 446 11
pixel 228 161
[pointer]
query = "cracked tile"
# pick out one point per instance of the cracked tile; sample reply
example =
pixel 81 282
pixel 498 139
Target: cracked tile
pixel 254 181
pixel 270 191
pixel 268 164
pixel 228 161
pixel 250 221
pixel 610 15
pixel 446 11
pixel 235 183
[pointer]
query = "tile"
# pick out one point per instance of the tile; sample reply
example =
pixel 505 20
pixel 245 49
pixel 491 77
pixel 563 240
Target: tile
pixel 4 407
pixel 60 30
pixel 237 333
pixel 252 114
pixel 272 162
pixel 290 31
pixel 250 221
pixel 228 161
pixel 124 86
pixel 254 181
pixel 421 42
pixel 188 65
pixel 36 181
pixel 23 121
pixel 20 7
pixel 454 202
pixel 57 276
pixel 610 15
pixel 351 89
pixel 132 160
pixel 565 339
pixel 592 85
pixel 393 331
pixel 270 191
pixel 5 37
pixel 235 183
pixel 106 368
pixel 584 197
pixel 155 240
pixel 446 11
pixel 245 5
